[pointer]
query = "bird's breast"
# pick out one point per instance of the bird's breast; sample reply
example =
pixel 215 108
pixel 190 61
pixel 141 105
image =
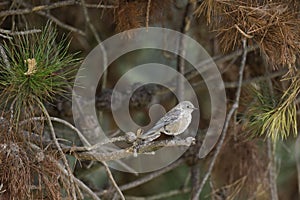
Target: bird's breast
pixel 178 126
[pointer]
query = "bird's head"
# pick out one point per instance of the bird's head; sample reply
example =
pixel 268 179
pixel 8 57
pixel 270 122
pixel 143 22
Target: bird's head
pixel 187 105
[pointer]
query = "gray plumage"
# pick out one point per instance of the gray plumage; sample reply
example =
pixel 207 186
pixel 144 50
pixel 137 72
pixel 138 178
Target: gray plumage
pixel 174 122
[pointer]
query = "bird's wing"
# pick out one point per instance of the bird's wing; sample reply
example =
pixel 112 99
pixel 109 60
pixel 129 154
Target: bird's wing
pixel 169 117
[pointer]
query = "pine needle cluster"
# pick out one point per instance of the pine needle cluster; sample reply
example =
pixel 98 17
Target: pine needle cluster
pixel 35 68
pixel 274 117
pixel 273 25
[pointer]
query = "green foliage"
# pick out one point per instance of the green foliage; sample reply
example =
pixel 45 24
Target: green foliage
pixel 37 68
pixel 272 116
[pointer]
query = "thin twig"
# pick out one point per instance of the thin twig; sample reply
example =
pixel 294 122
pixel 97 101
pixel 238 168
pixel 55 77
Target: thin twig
pixel 113 180
pixel 195 176
pixel 54 19
pixel 61 24
pixel 65 172
pixel 65 161
pixel 256 79
pixel 88 21
pixel 36 8
pixel 148 13
pixel 87 143
pixel 103 50
pixel 98 39
pixel 49 7
pixel 5 36
pixel 78 181
pixel 4 57
pixel 219 59
pixel 227 121
pixel 64 122
pixel 272 169
pixel 297 158
pixel 26 32
pixel 271 146
pixel 151 176
pixel 100 6
pixel 182 46
pixel 242 32
pixel 12 114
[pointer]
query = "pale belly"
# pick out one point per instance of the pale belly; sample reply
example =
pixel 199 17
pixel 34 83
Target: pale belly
pixel 178 126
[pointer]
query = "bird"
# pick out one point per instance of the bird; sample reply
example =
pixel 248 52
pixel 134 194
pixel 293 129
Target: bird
pixel 173 123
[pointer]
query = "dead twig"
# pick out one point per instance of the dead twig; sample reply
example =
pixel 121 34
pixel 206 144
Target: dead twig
pixel 97 37
pixel 4 57
pixel 227 121
pixel 148 13
pixel 49 7
pixel 26 32
pixel 65 172
pixel 54 19
pixel 187 18
pixel 65 161
pixel 61 24
pixel 113 180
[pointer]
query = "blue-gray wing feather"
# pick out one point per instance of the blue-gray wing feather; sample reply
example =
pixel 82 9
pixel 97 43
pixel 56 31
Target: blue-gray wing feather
pixel 168 118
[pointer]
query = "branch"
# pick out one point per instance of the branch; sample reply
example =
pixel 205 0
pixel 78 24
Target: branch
pixel 256 79
pixel 182 46
pixel 36 8
pixel 4 57
pixel 52 18
pixel 90 153
pixel 226 125
pixel 97 37
pixel 148 13
pixel 78 181
pixel 49 7
pixel 113 180
pixel 271 149
pixel 123 153
pixel 65 161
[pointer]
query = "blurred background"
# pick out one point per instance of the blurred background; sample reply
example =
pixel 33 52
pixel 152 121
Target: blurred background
pixel 257 158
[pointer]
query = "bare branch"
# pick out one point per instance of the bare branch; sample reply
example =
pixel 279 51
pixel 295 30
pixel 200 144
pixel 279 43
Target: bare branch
pixel 97 37
pixel 71 176
pixel 113 180
pixel 26 32
pixel 123 153
pixel 271 146
pixel 4 57
pixel 148 13
pixel 54 19
pixel 49 7
pixel 61 24
pixel 187 18
pixel 226 125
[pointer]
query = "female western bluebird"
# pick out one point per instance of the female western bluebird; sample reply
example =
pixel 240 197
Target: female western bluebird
pixel 174 122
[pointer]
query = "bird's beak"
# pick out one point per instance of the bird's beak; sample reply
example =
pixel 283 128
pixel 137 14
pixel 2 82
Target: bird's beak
pixel 195 108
